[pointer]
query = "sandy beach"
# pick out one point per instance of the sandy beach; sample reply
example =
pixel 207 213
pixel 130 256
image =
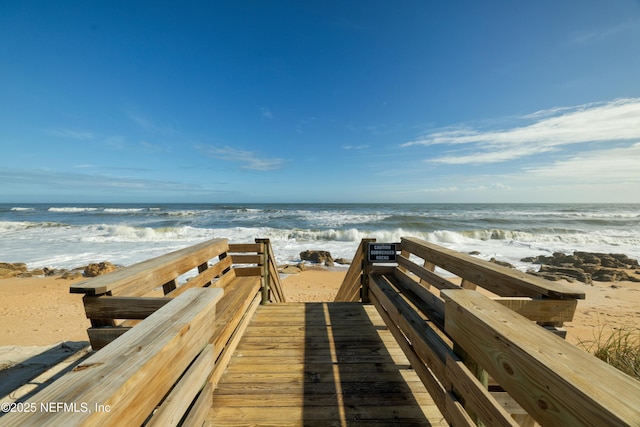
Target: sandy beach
pixel 40 311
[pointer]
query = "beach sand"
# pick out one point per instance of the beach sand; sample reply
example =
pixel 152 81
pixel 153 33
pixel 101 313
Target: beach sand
pixel 42 323
pixel 40 311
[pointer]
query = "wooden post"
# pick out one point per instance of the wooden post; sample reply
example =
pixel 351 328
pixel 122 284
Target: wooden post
pixel 169 286
pixel 480 374
pixel 366 264
pixel 264 249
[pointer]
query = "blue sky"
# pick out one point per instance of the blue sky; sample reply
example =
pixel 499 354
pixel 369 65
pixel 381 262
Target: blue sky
pixel 320 101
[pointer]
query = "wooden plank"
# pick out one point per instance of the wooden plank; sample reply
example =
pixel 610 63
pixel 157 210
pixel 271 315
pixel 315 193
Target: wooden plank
pixel 541 310
pixel 426 342
pixel 198 413
pixel 122 307
pixel 248 271
pixel 246 259
pixel 325 385
pixel 496 278
pixel 169 286
pixel 103 335
pixel 349 289
pixel 475 395
pixel 427 376
pixel 430 304
pixel 243 247
pixel 204 278
pixel 276 283
pixel 427 276
pixel 231 345
pixel 225 280
pixel 238 297
pixel 175 405
pixel 539 369
pixel 135 371
pixel 329 415
pixel 138 279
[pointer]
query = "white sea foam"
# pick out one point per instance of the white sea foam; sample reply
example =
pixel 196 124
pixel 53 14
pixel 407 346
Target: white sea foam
pixel 72 209
pixel 123 210
pixel 66 237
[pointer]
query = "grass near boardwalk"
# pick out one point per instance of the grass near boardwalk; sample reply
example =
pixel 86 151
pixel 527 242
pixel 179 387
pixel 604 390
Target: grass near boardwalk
pixel 619 347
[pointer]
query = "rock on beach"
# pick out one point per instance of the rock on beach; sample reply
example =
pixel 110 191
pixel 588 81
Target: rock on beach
pixel 586 267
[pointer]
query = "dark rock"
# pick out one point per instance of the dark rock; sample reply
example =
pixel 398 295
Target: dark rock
pixel 319 257
pixel 585 266
pixel 343 261
pixel 70 275
pixel 289 269
pixel 93 270
pixel 567 273
pixel 613 275
pixel 474 253
pixel 15 266
pixel 502 263
pixel 15 269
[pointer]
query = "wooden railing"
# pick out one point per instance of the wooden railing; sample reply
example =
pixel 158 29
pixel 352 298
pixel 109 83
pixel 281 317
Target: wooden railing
pixel 152 374
pixel 163 369
pixel 477 348
pixel 117 301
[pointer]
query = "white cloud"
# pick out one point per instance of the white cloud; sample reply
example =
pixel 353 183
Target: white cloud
pixel 614 165
pixel 618 120
pixel 355 147
pixel 249 159
pixel 474 188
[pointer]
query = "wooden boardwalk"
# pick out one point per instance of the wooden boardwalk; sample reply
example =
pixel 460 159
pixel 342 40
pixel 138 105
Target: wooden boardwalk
pixel 320 364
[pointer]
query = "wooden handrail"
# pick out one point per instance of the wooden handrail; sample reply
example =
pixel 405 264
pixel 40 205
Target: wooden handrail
pixel 542 376
pixel 495 278
pixel 409 296
pixel 135 371
pixel 557 383
pixel 141 278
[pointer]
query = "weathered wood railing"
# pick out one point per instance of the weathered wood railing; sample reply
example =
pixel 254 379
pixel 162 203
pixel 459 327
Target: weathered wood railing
pixel 163 369
pixel 116 302
pixel 478 351
pixel 157 373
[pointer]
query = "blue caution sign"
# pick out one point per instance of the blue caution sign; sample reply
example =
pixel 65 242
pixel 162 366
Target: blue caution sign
pixel 382 252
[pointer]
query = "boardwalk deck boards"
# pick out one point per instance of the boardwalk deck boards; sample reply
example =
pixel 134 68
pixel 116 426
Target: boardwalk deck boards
pixel 320 364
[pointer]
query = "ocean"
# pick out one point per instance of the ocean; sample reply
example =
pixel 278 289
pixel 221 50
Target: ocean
pixel 73 235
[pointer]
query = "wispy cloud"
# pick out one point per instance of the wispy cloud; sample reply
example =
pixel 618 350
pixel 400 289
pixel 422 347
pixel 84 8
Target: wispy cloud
pixel 551 130
pixel 355 147
pixel 248 159
pixel 54 180
pixel 475 188
pixel 614 165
